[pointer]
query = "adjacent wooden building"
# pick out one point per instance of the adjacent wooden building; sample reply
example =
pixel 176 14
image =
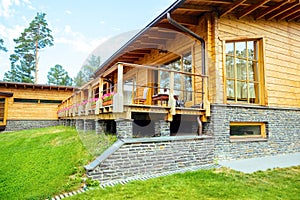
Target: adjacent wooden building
pixel 24 105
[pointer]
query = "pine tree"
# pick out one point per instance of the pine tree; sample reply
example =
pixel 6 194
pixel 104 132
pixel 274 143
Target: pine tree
pixel 24 62
pixel 2 48
pixel 79 79
pixel 59 76
pixel 87 71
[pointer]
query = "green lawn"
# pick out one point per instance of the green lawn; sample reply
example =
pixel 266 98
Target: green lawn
pixel 40 163
pixel 208 184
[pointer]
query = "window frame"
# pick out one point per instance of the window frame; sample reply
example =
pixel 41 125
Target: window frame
pixel 182 78
pixel 262 98
pixel 5 110
pixel 262 125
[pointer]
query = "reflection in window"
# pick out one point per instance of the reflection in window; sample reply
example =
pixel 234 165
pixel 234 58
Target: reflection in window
pixel 242 71
pixel 252 129
pixel 182 83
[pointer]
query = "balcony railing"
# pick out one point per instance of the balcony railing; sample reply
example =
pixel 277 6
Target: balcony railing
pixel 172 89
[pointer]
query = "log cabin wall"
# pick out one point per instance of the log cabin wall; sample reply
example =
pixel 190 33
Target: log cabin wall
pixel 43 107
pixel 281 55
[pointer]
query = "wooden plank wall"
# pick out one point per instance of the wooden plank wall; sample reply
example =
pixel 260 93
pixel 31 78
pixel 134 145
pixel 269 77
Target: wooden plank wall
pixel 282 55
pixel 30 111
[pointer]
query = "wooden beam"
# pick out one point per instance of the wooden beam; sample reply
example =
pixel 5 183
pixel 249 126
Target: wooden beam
pixel 283 9
pixel 250 9
pixel 196 7
pixel 293 17
pixel 109 71
pixel 232 7
pixel 288 13
pixel 270 9
pixel 186 20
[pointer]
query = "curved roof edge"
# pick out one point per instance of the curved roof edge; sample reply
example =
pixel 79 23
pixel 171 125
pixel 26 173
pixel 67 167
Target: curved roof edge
pixel 157 19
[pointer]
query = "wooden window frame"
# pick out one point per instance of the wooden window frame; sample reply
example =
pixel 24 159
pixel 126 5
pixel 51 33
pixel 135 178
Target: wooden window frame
pixel 262 126
pixel 3 123
pixel 262 99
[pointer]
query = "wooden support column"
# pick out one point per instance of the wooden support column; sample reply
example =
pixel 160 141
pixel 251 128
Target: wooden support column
pixel 172 101
pixel 88 104
pixel 118 97
pixel 206 103
pixel 99 102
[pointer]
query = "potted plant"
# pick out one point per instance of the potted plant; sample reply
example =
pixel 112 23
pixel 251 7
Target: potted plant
pixel 107 98
pixel 93 102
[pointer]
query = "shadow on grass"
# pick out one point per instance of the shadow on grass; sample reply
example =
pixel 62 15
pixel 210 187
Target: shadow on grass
pixel 96 144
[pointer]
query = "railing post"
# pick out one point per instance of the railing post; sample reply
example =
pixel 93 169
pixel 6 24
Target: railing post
pixel 99 102
pixel 206 103
pixel 172 102
pixel 118 97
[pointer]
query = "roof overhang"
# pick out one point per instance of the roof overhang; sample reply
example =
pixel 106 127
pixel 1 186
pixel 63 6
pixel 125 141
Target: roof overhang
pixel 36 86
pixel 188 12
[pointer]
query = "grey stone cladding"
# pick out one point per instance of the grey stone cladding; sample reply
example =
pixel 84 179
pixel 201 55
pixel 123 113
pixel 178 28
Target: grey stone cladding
pixel 139 157
pixel 282 129
pixel 15 125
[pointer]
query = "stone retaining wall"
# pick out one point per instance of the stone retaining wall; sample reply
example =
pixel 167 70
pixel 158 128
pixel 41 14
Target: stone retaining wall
pixel 283 131
pixel 131 157
pixel 15 125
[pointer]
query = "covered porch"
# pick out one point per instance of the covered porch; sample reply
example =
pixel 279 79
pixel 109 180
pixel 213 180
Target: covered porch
pixel 148 98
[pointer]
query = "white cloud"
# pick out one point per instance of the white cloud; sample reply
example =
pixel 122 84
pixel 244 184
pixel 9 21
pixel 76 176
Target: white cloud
pixel 68 12
pixel 77 40
pixel 6 7
pixel 10 33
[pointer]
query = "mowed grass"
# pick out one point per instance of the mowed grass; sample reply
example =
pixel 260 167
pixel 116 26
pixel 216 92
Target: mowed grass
pixel 41 163
pixel 38 163
pixel 208 184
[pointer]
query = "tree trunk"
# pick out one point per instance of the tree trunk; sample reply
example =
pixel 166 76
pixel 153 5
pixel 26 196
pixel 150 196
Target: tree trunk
pixel 36 62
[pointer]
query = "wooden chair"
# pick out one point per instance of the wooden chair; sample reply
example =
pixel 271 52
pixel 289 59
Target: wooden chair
pixel 141 100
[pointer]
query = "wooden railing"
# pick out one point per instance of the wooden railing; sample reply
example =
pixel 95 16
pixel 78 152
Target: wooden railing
pixel 126 93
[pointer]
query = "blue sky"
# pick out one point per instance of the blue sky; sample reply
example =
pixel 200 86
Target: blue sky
pixel 78 27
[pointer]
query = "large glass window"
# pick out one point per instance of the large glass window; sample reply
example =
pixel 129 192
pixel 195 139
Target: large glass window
pixel 243 71
pixel 182 82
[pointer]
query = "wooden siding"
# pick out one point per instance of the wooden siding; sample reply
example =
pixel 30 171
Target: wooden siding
pixel 30 111
pixel 282 55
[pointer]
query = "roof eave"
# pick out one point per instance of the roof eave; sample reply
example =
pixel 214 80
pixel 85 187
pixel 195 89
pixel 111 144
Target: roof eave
pixel 102 67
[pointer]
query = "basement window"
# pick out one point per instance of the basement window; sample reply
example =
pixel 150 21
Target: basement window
pixel 245 130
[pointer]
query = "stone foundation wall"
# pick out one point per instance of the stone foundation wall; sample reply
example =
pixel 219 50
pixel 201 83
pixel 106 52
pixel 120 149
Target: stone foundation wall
pixel 131 157
pixel 282 128
pixel 15 125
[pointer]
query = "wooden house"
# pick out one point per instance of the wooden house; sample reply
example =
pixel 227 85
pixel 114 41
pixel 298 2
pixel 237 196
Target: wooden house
pixel 25 106
pixel 227 70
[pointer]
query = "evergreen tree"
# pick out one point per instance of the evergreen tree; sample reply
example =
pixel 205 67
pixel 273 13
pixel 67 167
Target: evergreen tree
pixel 79 79
pixel 2 48
pixel 59 76
pixel 87 71
pixel 24 62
